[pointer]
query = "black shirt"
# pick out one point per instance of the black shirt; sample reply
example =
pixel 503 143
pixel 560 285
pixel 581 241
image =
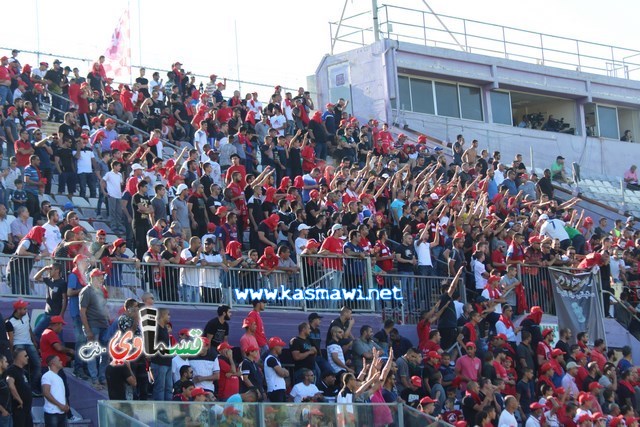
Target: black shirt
pixel 67 163
pixel 145 82
pixel 117 381
pixel 337 322
pixel 303 346
pixel 140 219
pixel 448 317
pixel 218 331
pixel 55 291
pixel 406 253
pixel 69 132
pixel 22 386
pixel 5 394
pixel 546 187
pixel 171 274
pixel 162 336
pixel 309 207
pixel 199 209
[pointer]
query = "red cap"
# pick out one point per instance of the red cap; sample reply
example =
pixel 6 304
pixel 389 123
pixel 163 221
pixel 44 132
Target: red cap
pixel 276 342
pixel 57 319
pixel 433 355
pixel 416 381
pixel 559 391
pixel 219 84
pixel 11 109
pixel 547 332
pixel 110 120
pixel 545 367
pixel 470 344
pixel 251 348
pixel 224 346
pixel 493 279
pixel 536 309
pixel 421 226
pixel 119 242
pixel 77 229
pixel 459 235
pixel 363 195
pixel 312 244
pixel 402 135
pixel 20 304
pixel 96 120
pixel 198 391
pixel 101 232
pixel 534 239
pixel 615 422
pixel 211 227
pixel 580 355
pixel 213 76
pixel 631 420
pixel 502 337
pixel 183 331
pixel 314 193
pixel 298 182
pixel 205 341
pixel 557 352
pixel 229 410
pixel 329 105
pixel 248 321
pixel 96 273
pixel 426 400
pixel 584 417
pixel 222 210
pixel 535 406
pixel 22 83
pixel 595 386
pixel 422 139
pixel 598 416
pixel 460 424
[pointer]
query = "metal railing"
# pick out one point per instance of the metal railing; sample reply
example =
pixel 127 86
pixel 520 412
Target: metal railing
pixel 471 36
pixel 142 413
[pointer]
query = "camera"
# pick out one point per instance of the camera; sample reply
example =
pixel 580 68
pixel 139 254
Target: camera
pixel 535 119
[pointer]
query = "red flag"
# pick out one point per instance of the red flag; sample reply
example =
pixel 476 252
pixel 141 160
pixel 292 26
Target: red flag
pixel 118 55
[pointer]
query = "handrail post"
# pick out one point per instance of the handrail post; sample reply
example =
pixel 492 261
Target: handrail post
pixel 303 285
pixel 371 284
pixel 400 413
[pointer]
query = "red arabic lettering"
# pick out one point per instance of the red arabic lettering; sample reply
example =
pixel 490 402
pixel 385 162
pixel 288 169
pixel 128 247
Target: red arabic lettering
pixel 125 347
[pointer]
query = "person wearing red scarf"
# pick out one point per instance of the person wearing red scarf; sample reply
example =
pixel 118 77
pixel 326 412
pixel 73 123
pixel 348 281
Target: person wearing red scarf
pixel 267 233
pixel 505 325
pixel 546 373
pixel 531 324
pixel 469 332
pixel 543 350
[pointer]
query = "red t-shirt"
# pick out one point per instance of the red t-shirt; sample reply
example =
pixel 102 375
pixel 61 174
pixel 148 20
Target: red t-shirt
pixel 120 145
pixel 308 158
pixel 4 73
pixel 49 338
pixel 22 159
pixel 241 203
pixel 268 263
pixel 132 185
pixel 227 386
pixel 261 336
pixel 238 168
pixel 333 245
pixel 498 257
pixel 383 250
pixel 224 115
pixel 424 327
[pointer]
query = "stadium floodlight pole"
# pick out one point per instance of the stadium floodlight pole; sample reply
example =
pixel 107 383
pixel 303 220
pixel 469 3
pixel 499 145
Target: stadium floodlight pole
pixel 235 27
pixel 37 31
pixel 376 27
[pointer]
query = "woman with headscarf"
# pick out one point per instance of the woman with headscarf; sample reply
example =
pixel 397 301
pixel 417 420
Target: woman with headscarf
pixel 531 324
pixel 21 263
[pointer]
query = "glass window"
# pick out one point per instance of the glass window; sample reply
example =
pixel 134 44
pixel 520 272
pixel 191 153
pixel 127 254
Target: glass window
pixel 405 94
pixel 422 96
pixel 608 122
pixel 501 107
pixel 447 99
pixel 470 102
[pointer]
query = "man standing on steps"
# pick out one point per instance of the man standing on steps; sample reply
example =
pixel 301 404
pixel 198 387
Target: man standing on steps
pixel 20 389
pixel 55 400
pixel 111 187
pixel 95 321
pixel 21 337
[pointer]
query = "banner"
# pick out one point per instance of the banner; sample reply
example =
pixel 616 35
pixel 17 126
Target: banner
pixel 117 62
pixel 578 306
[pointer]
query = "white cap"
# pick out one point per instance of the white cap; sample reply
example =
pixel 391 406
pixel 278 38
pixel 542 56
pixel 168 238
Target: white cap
pixel 336 227
pixel 303 227
pixel 181 188
pixel 543 217
pixel 137 166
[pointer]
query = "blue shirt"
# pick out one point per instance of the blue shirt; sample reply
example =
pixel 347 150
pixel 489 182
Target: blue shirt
pixel 74 302
pixel 492 189
pixel 115 277
pixel 511 186
pixel 33 175
pixel 397 206
pixel 307 180
pixel 45 158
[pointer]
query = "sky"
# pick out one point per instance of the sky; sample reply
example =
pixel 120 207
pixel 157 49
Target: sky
pixel 279 42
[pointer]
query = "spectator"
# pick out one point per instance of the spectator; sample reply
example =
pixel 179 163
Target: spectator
pixel 161 363
pixel 20 389
pixel 631 178
pixel 274 373
pixel 54 390
pixel 21 337
pixel 95 321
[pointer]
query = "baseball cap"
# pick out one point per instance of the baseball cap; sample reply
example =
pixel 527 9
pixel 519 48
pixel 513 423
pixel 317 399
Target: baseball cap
pixel 536 405
pixel 336 227
pixel 137 166
pixel 426 400
pixel 96 273
pixel 312 244
pixel 101 232
pixel 181 188
pixel 545 367
pixel 225 346
pixel 559 158
pixel 251 348
pixel 119 242
pixel 433 355
pixel 416 381
pixel 20 304
pixel 557 352
pixel 313 316
pixel 248 321
pixel 303 227
pixel 155 242
pixel 276 342
pixel 547 332
pixel 59 319
pixel 183 331
pixel 198 391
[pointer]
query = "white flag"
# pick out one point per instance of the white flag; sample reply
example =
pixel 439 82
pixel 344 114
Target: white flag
pixel 118 56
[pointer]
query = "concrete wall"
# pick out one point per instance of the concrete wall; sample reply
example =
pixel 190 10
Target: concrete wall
pixel 373 80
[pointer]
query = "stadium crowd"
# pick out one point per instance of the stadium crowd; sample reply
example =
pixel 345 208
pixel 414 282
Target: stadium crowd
pixel 259 186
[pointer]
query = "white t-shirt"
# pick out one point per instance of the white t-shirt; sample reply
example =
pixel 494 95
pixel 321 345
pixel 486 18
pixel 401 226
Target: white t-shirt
pixel 300 243
pixel 21 330
pixel 423 251
pixel 501 328
pixel 532 422
pixel 554 228
pixel 156 85
pixel 188 275
pixel 335 348
pixel 278 121
pixel 300 391
pixel 507 420
pixel 204 368
pixel 617 265
pixel 199 141
pixel 210 275
pixel 5 229
pixel 176 363
pixel 274 381
pixel 113 184
pixel 52 236
pixel 84 162
pixel 57 391
pixel 478 270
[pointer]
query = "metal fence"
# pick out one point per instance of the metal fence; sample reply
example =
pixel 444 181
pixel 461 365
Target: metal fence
pixel 139 413
pixel 430 29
